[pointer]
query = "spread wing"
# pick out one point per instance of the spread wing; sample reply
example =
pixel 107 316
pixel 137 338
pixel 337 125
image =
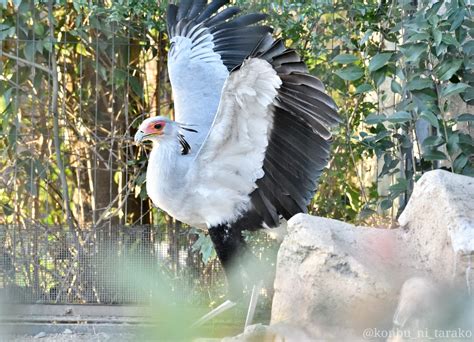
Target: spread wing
pixel 269 141
pixel 206 42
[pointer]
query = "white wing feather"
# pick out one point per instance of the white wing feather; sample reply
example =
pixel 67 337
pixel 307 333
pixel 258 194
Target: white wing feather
pixel 230 161
pixel 197 76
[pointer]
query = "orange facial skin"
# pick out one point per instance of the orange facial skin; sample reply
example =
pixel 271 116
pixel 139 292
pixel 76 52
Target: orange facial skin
pixel 154 128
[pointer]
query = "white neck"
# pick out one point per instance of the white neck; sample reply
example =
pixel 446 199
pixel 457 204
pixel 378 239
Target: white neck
pixel 163 173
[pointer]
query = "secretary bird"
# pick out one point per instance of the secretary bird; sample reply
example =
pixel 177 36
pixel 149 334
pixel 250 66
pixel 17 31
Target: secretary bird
pixel 252 130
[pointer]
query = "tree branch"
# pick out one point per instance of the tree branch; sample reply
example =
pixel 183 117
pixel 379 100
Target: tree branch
pixel 26 62
pixel 57 141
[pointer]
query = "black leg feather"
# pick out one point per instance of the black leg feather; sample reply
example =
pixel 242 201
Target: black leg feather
pixel 230 248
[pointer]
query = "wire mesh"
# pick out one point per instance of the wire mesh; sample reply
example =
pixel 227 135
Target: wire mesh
pixel 80 77
pixel 77 79
pixel 44 265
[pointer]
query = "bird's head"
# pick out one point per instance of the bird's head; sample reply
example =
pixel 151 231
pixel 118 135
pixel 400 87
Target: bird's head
pixel 156 129
pixel 160 129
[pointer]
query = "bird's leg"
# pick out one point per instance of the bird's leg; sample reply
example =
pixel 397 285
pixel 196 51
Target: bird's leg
pixel 234 254
pixel 230 248
pixel 228 304
pixel 253 303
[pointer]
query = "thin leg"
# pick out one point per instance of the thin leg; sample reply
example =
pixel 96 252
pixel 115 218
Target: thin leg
pixel 253 303
pixel 217 311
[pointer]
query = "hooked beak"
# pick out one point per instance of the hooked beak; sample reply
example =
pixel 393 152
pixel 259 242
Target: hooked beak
pixel 139 136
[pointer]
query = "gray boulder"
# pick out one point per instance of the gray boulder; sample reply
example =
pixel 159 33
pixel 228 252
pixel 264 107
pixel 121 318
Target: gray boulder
pixel 335 280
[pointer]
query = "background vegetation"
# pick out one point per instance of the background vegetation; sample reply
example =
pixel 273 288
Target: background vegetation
pixel 77 77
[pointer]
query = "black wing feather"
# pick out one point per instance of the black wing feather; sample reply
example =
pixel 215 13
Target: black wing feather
pixel 234 37
pixel 198 6
pixel 183 10
pixel 299 143
pixel 212 8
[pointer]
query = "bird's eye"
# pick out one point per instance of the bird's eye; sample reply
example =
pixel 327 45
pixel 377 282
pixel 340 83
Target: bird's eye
pixel 158 126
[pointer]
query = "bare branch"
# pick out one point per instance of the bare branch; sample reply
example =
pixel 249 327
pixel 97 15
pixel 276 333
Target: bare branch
pixel 57 141
pixel 26 62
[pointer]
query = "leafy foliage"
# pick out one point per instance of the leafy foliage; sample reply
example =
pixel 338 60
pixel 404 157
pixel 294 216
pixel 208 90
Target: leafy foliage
pixel 399 75
pixel 101 51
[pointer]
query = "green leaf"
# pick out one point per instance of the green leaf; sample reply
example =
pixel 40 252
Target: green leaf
pixel 466 143
pixel 453 144
pixel 422 36
pixel 119 78
pixel 77 6
pixel 465 117
pixel 386 204
pixel 399 187
pixel 5 99
pixel 373 119
pixel 468 171
pixel 434 155
pixel 39 29
pixel 379 60
pixel 454 88
pixel 433 11
pixel 363 88
pixel 388 164
pixel 431 118
pixel 437 35
pixel 399 117
pixel 433 141
pixel 366 37
pixel 413 51
pixel 448 39
pixel 468 95
pixel 441 49
pixel 379 76
pixel 136 86
pixel 81 49
pixel 7 32
pixel 205 247
pixel 351 73
pixel 458 19
pixel 419 83
pixel 396 87
pixel 7 209
pixel 468 47
pixel 30 50
pixel 447 68
pixel 460 162
pixel 47 45
pixel 344 59
pixel 13 137
pixel 381 135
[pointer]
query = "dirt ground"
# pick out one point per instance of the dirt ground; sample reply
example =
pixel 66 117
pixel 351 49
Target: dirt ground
pixel 70 336
pixel 89 337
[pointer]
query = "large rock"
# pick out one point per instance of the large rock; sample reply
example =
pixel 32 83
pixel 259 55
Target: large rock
pixel 438 225
pixel 330 272
pixel 335 280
